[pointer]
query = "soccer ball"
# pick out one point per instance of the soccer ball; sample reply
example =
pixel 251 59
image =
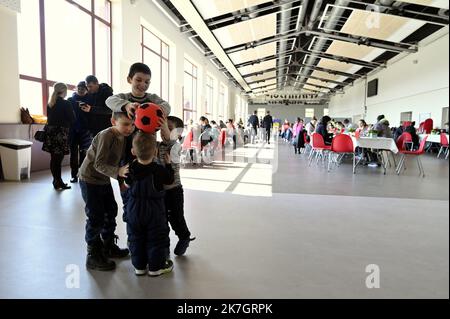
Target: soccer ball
pixel 147 117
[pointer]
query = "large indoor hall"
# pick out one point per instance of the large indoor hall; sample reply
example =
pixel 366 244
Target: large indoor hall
pixel 224 149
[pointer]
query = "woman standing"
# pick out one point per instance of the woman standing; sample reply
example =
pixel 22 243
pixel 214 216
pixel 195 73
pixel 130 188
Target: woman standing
pixel 60 118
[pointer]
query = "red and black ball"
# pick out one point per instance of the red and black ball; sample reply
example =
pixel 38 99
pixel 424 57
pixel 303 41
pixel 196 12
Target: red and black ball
pixel 147 117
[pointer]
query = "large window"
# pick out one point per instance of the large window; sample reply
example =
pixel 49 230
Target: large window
pixel 237 109
pixel 209 95
pixel 61 41
pixel 155 53
pixel 221 102
pixel 309 113
pixel 189 92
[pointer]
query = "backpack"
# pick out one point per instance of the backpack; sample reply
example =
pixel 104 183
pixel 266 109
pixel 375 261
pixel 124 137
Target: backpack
pixel 25 116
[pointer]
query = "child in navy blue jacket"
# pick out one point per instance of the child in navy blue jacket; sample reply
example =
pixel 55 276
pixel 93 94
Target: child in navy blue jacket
pixel 145 213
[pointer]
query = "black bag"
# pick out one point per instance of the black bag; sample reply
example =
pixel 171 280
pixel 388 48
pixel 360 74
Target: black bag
pixel 40 135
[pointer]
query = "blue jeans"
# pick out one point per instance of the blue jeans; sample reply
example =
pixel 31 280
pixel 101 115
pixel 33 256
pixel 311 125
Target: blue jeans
pixel 101 211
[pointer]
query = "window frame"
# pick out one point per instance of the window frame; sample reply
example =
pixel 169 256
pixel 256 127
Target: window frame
pixel 161 57
pixel 194 80
pixel 221 111
pixel 209 95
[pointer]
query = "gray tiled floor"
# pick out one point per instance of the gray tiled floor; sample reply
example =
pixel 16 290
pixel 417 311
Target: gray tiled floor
pixel 287 235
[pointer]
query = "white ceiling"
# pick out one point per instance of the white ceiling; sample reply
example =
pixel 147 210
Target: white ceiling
pixel 360 23
pixel 432 3
pixel 247 31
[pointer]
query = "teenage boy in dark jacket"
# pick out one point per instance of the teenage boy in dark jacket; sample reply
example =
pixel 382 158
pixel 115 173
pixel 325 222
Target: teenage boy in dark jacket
pixel 99 114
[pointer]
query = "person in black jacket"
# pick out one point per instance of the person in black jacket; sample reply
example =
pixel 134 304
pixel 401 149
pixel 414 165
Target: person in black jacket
pixel 322 129
pixel 268 123
pixel 415 138
pixel 99 114
pixel 59 119
pixel 254 123
pixel 80 137
pixel 145 212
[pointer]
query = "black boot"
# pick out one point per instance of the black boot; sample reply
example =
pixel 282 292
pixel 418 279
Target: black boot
pixel 182 245
pixel 111 249
pixel 96 259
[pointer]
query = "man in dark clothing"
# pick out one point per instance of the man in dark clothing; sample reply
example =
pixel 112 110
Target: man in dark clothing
pixel 254 122
pixel 99 114
pixel 415 138
pixel 80 137
pixel 398 131
pixel 268 122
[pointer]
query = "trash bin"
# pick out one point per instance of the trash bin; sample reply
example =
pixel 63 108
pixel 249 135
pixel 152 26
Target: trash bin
pixel 15 156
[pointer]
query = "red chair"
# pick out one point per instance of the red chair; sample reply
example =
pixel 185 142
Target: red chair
pixel 405 138
pixel 444 145
pixel 406 124
pixel 417 153
pixel 222 138
pixel 428 126
pixel 187 141
pixel 342 144
pixel 358 133
pixel 187 148
pixel 318 147
pixel 420 129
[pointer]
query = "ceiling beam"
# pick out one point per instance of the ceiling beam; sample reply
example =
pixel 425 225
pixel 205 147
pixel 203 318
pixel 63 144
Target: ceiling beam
pixel 192 16
pixel 243 15
pixel 295 74
pixel 315 68
pixel 376 43
pixel 322 55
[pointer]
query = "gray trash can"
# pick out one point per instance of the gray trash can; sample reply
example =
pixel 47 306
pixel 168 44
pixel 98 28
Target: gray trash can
pixel 15 156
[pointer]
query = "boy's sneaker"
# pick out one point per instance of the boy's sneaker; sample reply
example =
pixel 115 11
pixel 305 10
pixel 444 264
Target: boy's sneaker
pixel 166 269
pixel 181 246
pixel 139 272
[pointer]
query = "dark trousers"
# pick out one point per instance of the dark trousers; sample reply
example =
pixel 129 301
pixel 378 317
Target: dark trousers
pixel 55 166
pixel 148 239
pixel 268 134
pixel 101 211
pixel 175 212
pixel 77 155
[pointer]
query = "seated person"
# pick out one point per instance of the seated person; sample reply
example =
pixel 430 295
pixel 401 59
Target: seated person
pixel 398 131
pixel 322 129
pixel 363 128
pixel 415 138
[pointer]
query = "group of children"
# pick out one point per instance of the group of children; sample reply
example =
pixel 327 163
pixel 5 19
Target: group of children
pixel 149 180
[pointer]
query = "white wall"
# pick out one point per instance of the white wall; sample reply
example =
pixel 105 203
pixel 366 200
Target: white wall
pixel 127 50
pixel 418 83
pixel 9 66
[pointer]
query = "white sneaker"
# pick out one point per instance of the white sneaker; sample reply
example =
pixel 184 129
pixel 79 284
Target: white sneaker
pixel 139 272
